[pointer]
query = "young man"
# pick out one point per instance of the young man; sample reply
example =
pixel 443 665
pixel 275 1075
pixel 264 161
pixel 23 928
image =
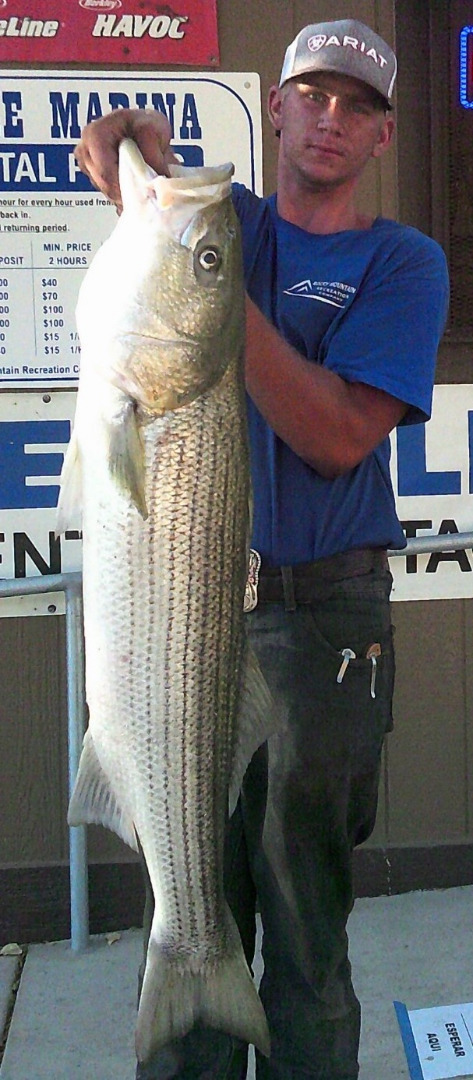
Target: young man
pixel 344 316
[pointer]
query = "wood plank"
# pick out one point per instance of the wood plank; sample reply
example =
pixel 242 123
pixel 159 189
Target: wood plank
pixel 253 37
pixel 33 739
pixel 36 901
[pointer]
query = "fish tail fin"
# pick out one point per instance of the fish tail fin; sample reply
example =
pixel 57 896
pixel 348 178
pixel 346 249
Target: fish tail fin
pixel 223 997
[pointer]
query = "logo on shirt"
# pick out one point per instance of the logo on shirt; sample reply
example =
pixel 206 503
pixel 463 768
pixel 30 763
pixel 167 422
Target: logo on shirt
pixel 335 293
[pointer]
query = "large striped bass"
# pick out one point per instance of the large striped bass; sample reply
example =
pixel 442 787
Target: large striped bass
pixel 158 461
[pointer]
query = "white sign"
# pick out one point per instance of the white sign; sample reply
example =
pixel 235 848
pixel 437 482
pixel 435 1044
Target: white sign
pixel 432 469
pixel 51 219
pixel 34 432
pixel 438 1042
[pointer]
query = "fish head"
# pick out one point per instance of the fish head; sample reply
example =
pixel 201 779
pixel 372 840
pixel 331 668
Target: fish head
pixel 172 308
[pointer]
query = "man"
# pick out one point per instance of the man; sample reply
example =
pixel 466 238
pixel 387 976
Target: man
pixel 344 315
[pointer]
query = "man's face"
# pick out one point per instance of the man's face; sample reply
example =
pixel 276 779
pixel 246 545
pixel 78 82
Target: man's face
pixel 330 125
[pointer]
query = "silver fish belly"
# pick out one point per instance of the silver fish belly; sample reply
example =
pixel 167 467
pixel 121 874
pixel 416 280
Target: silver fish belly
pixel 177 703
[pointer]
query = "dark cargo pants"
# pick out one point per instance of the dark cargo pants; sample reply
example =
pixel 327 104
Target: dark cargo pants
pixel 318 782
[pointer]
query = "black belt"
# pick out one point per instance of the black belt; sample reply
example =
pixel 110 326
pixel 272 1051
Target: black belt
pixel 301 583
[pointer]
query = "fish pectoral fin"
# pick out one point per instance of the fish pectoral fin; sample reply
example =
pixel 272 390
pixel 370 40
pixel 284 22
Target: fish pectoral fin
pixel 126 458
pixel 69 507
pixel 93 801
pixel 257 721
pixel 173 999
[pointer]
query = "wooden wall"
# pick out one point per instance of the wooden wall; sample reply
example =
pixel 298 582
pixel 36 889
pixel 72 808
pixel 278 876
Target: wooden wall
pixel 423 837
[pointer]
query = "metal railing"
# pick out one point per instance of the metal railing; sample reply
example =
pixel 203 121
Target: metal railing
pixel 71 585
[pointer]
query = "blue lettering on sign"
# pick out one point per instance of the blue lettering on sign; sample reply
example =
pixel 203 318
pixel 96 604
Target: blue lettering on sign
pixel 13 128
pixel 17 465
pixel 190 127
pixel 65 115
pixel 413 477
pixel 165 104
pixel 66 111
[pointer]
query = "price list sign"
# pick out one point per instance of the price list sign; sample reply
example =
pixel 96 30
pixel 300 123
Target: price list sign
pixel 51 219
pixel 44 251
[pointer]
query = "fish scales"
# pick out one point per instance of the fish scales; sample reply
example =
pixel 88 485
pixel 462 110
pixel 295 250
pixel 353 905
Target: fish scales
pixel 177 704
pixel 174 611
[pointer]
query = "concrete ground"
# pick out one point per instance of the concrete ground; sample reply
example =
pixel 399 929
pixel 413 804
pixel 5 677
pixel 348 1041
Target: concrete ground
pixel 73 1016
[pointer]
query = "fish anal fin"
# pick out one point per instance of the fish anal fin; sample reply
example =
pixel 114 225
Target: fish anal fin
pixel 93 801
pixel 257 721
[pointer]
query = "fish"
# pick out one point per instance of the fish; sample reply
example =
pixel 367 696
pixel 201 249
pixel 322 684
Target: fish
pixel 158 471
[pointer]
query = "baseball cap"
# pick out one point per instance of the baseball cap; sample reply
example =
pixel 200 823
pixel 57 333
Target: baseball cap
pixel 347 47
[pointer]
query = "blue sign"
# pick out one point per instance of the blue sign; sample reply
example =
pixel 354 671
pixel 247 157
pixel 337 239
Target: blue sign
pixel 49 167
pixel 18 465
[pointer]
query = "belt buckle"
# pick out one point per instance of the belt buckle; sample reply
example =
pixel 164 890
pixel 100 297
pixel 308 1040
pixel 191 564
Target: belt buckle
pixel 251 588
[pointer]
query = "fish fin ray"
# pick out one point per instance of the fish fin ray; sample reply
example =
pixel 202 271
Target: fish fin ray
pixel 172 1001
pixel 126 459
pixel 93 801
pixel 257 721
pixel 69 507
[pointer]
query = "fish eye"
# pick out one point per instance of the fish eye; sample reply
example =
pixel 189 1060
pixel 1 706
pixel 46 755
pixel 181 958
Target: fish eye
pixel 209 258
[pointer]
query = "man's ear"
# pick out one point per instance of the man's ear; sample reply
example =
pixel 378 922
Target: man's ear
pixel 275 99
pixel 385 137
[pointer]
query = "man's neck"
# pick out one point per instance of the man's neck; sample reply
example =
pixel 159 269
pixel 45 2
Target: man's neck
pixel 323 211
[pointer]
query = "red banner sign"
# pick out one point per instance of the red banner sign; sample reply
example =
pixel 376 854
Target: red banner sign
pixel 110 32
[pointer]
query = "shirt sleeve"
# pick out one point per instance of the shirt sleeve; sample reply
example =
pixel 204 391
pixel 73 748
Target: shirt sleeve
pixel 389 335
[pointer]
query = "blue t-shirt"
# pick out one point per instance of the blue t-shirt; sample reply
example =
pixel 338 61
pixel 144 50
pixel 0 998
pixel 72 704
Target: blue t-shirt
pixel 370 305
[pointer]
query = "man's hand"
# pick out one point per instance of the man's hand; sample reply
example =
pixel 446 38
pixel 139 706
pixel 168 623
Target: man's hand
pixel 97 151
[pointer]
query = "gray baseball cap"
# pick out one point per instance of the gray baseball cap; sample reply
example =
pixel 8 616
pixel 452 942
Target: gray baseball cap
pixel 347 47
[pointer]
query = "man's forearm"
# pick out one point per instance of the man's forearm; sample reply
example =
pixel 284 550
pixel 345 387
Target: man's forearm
pixel 328 422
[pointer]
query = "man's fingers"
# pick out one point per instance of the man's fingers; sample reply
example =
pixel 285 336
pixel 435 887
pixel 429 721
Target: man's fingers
pixel 97 151
pixel 97 156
